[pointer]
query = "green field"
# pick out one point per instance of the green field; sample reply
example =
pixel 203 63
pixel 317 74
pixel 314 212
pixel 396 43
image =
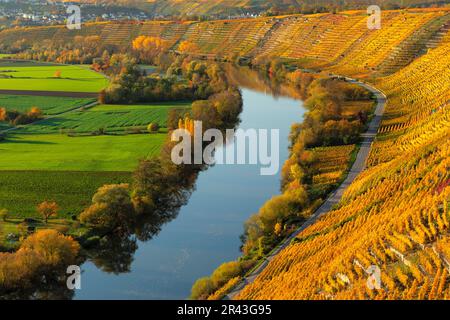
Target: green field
pixel 22 191
pixel 112 118
pixel 6 55
pixel 57 152
pixel 41 77
pixel 59 158
pixel 48 105
pixel 4 125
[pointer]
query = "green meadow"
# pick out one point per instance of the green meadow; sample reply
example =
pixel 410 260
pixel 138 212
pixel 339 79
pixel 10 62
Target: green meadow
pixel 22 191
pixel 63 158
pixel 111 118
pixel 48 105
pixel 57 152
pixel 6 55
pixel 43 77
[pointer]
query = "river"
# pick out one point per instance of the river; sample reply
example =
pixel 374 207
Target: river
pixel 206 231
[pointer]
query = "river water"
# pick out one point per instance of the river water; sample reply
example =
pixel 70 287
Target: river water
pixel 206 231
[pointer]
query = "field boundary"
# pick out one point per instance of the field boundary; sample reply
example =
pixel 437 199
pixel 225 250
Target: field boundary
pixel 358 166
pixel 68 94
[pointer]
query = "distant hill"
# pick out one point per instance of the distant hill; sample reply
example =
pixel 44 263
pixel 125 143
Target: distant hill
pixel 239 7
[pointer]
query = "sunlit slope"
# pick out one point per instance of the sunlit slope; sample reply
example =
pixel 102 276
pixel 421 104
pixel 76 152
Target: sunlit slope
pixel 114 34
pixel 395 216
pixel 235 7
pixel 338 42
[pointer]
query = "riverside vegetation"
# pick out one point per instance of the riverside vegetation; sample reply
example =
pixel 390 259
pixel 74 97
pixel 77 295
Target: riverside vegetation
pixel 395 215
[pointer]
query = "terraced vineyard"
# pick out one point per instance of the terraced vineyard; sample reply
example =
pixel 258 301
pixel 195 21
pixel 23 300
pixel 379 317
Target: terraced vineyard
pixel 396 215
pixel 340 39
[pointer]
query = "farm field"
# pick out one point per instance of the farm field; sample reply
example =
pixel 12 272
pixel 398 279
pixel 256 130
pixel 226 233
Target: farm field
pixel 5 55
pixel 90 153
pixel 43 77
pixel 22 191
pixel 48 105
pixel 109 117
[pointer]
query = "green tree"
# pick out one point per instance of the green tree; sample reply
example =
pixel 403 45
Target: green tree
pixel 111 208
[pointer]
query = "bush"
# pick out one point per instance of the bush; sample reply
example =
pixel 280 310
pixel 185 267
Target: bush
pixel 55 249
pixel 225 272
pixel 202 288
pixel 4 215
pixel 153 127
pixel 111 208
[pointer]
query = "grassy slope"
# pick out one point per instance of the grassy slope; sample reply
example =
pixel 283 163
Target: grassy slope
pixel 42 78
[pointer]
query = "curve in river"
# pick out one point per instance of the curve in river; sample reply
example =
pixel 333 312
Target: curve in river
pixel 358 166
pixel 206 231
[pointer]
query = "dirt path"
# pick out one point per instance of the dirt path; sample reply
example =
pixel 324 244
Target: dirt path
pixel 358 166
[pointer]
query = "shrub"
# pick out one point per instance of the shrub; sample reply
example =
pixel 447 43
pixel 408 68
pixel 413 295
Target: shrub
pixel 202 288
pixel 225 272
pixel 153 127
pixel 111 208
pixel 3 215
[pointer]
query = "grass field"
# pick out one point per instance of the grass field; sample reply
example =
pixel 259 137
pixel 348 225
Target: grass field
pixel 48 105
pixel 110 117
pixel 22 191
pixel 4 125
pixel 56 152
pixel 6 55
pixel 41 77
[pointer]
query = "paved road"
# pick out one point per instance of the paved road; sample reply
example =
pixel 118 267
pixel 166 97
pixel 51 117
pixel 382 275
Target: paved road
pixel 358 166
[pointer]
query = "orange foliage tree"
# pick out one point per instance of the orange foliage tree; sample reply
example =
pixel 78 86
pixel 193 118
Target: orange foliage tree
pixel 2 114
pixel 48 209
pixel 149 48
pixel 187 47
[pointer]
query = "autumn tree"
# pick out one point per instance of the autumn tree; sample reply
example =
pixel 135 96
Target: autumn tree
pixel 187 47
pixel 3 214
pixel 3 114
pixel 148 48
pixel 47 209
pixel 111 208
pixel 35 112
pixel 53 247
pixel 153 127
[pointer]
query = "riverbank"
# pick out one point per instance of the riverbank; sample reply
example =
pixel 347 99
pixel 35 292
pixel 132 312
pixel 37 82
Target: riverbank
pixel 357 167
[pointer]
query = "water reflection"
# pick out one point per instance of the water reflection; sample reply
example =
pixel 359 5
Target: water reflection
pixel 144 262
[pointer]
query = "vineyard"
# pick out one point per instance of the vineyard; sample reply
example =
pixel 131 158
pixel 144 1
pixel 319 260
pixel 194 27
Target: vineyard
pixel 341 42
pixel 396 215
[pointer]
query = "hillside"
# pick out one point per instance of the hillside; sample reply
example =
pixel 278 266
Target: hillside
pixel 396 215
pixel 225 8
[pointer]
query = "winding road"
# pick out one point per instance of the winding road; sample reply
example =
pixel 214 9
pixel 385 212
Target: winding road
pixel 358 166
